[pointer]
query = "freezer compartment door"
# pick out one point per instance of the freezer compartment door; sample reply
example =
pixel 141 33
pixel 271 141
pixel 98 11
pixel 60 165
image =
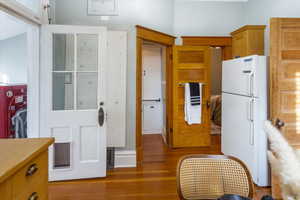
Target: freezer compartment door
pixel 238 76
pixel 238 130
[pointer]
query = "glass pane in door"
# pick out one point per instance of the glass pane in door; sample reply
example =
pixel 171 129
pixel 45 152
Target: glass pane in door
pixel 63 91
pixel 87 52
pixel 63 52
pixel 87 86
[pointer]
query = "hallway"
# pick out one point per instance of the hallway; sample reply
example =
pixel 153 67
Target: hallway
pixel 155 179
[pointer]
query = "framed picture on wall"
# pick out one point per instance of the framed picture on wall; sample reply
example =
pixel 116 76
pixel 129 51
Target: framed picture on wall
pixel 103 7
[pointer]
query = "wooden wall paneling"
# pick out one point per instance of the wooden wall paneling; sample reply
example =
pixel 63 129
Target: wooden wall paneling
pixel 145 34
pixel 187 61
pixel 285 81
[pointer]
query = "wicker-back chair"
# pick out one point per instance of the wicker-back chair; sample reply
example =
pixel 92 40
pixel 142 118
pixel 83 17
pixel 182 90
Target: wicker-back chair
pixel 211 176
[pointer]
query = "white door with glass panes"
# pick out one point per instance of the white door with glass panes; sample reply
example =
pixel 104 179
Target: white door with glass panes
pixel 73 100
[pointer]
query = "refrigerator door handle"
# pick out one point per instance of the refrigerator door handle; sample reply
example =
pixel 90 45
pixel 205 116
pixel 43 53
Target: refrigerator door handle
pixel 250 110
pixel 251 119
pixel 251 139
pixel 251 76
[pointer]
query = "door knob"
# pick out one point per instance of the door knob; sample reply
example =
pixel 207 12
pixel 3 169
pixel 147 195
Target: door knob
pixel 279 124
pixel 101 116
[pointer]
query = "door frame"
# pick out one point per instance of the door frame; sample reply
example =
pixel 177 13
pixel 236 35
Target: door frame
pixel 32 67
pixel 146 34
pixel 225 42
pixel 33 80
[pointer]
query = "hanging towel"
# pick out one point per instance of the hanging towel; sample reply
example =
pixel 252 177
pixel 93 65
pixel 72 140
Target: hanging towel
pixel 193 103
pixel 195 94
pixel 19 122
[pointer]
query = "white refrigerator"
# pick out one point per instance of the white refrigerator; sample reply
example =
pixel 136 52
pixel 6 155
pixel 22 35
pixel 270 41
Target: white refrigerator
pixel 244 110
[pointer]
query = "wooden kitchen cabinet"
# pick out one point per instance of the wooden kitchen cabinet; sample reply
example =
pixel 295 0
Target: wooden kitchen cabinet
pixel 248 40
pixel 24 168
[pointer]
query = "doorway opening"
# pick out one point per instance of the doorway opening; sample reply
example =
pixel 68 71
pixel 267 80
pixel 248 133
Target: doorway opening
pixel 154 89
pixel 216 90
pixel 18 74
pixel 153 95
pixel 163 43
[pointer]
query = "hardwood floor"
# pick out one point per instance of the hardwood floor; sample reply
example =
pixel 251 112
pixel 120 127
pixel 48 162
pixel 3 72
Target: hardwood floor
pixel 155 179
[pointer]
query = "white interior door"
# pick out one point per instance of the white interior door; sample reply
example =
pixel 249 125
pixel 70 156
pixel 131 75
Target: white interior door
pixel 72 97
pixel 152 72
pixel 152 90
pixel 116 89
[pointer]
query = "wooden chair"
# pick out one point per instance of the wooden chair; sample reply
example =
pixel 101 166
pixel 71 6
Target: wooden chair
pixel 211 176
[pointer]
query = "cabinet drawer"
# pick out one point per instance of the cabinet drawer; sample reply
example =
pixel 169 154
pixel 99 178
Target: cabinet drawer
pixel 31 178
pixel 5 190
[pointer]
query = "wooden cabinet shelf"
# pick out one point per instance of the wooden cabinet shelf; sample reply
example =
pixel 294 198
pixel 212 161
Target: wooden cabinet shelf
pixel 248 40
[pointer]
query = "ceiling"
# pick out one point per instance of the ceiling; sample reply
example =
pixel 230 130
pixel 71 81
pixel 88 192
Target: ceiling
pixel 12 26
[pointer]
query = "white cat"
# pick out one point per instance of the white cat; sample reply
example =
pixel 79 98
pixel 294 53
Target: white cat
pixel 285 162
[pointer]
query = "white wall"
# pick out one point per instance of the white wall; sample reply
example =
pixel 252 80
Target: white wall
pixel 200 18
pixel 13 59
pixel 260 12
pixel 156 14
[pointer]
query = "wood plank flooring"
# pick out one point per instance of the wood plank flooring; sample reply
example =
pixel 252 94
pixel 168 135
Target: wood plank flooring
pixel 155 179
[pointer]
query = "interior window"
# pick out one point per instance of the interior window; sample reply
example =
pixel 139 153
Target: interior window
pixel 13 77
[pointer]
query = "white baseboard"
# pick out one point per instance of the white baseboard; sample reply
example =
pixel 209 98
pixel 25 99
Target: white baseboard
pixel 152 132
pixel 125 158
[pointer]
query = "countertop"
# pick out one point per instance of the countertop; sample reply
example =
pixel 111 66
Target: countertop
pixel 15 153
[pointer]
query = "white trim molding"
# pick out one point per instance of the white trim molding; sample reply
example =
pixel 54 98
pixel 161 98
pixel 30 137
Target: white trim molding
pixel 16 9
pixel 125 158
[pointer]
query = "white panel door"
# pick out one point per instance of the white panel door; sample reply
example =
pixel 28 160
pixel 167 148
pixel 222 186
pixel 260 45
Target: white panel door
pixel 152 90
pixel 116 88
pixel 238 129
pixel 152 72
pixel 73 100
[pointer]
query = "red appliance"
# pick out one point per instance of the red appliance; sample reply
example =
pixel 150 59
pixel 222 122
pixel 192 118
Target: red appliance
pixel 12 98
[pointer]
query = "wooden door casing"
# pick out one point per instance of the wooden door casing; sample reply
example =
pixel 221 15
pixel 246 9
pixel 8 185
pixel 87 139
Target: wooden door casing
pixel 285 81
pixel 190 64
pixel 145 34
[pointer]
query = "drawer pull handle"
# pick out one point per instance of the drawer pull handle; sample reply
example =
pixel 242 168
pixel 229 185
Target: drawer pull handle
pixel 33 196
pixel 31 170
